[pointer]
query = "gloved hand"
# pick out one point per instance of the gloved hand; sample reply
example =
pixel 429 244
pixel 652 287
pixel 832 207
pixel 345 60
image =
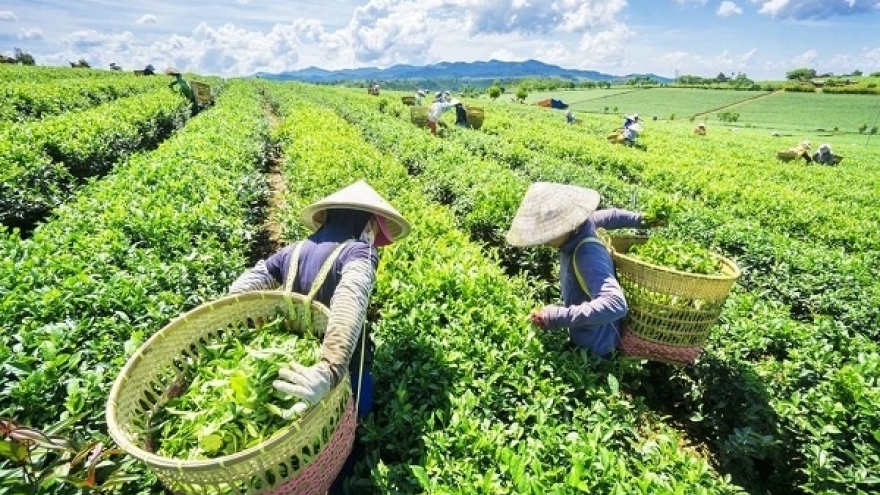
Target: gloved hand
pixel 309 383
pixel 539 318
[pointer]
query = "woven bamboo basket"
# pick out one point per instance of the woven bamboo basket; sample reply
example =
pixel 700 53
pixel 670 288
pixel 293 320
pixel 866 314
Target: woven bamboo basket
pixel 302 458
pixel 789 155
pixel 475 117
pixel 202 92
pixel 419 115
pixel 408 100
pixel 671 312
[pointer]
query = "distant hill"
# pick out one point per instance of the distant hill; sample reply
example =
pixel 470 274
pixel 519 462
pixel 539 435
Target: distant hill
pixel 493 69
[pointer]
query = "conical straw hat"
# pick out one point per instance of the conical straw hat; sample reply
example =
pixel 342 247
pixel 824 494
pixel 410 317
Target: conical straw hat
pixel 358 196
pixel 550 210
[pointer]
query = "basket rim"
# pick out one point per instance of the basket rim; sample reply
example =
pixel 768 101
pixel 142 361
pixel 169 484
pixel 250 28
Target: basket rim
pixel 154 460
pixel 729 263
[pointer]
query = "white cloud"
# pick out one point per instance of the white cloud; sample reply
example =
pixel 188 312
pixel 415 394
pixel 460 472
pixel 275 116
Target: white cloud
pixel 868 60
pixel 531 16
pixel 606 47
pixel 685 2
pixel 579 15
pixel 89 39
pixel 147 19
pixel 30 34
pixel 727 9
pixel 7 15
pixel 807 58
pixel 506 56
pixel 726 62
pixel 383 32
pixel 815 9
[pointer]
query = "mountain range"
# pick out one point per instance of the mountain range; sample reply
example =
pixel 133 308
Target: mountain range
pixel 493 69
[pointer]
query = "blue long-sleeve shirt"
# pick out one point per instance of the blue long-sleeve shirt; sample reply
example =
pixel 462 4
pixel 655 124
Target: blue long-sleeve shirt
pixel 593 320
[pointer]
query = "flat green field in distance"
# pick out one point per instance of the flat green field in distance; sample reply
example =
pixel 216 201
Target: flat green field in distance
pixel 815 116
pixel 577 98
pixel 662 102
pixel 813 111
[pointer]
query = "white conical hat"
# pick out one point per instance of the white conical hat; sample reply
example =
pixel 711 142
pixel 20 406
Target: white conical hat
pixel 357 196
pixel 550 210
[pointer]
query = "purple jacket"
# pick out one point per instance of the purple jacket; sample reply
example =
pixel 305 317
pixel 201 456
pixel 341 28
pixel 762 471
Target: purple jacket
pixel 593 321
pixel 311 258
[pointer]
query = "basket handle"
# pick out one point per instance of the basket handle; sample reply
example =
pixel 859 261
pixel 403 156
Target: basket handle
pixel 317 283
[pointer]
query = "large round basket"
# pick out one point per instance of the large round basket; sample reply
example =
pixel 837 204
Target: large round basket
pixel 419 116
pixel 788 155
pixel 671 312
pixel 408 100
pixel 475 117
pixel 302 458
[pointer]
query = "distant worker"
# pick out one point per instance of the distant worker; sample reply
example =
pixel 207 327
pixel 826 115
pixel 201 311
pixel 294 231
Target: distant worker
pixel 824 155
pixel 569 117
pixel 447 96
pixel 631 133
pixel 629 120
pixel 700 130
pixel 183 87
pixel 420 97
pixel 460 113
pixel 436 112
pixel 149 70
pixel 802 150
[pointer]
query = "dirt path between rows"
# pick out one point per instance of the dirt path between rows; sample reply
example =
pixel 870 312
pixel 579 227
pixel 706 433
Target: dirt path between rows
pixel 741 102
pixel 277 183
pixel 270 237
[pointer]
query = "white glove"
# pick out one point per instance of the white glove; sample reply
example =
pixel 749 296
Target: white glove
pixel 309 383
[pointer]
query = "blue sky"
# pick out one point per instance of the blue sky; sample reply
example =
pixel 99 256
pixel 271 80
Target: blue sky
pixel 761 38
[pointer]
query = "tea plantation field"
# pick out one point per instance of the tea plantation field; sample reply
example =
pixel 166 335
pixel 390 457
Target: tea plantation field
pixel 121 210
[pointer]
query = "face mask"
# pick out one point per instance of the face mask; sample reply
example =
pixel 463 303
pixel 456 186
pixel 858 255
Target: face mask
pixel 369 233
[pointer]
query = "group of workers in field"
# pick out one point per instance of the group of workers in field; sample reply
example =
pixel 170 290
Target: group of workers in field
pixel 629 131
pixel 352 224
pixel 823 156
pixel 627 134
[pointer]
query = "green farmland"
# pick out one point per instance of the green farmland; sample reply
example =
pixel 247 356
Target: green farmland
pixel 121 211
pixel 793 114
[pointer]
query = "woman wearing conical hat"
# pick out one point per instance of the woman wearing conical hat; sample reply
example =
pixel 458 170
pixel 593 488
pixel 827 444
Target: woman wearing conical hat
pixel 565 217
pixel 360 218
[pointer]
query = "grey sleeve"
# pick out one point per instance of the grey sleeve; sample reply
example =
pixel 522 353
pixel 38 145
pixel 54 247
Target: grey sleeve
pixel 254 279
pixel 616 218
pixel 348 309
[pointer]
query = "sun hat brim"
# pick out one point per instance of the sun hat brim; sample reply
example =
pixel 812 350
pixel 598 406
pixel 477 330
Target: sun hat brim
pixel 357 196
pixel 550 210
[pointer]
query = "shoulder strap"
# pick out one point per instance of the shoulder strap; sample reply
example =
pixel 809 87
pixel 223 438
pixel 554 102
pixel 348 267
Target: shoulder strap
pixel 308 321
pixel 574 264
pixel 322 273
pixel 292 267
